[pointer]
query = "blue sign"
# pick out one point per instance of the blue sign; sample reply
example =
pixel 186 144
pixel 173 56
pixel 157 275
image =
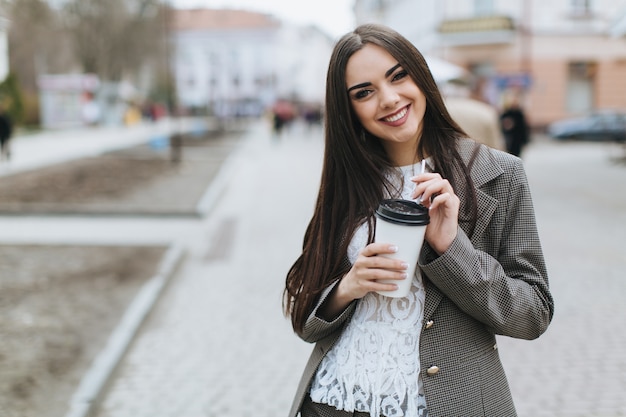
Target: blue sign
pixel 513 80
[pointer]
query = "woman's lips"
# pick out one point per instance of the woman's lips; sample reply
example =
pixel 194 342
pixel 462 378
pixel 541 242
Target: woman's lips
pixel 397 117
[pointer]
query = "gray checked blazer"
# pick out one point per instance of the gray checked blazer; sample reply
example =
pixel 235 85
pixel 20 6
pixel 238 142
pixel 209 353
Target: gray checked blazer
pixel 495 283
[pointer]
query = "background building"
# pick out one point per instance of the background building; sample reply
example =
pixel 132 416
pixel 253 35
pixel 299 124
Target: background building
pixel 238 63
pixel 567 57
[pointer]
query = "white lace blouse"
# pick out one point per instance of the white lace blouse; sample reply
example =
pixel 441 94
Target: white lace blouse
pixel 375 367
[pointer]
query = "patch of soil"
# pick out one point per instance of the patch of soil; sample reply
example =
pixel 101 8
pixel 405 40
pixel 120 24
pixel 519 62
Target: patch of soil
pixel 137 180
pixel 58 306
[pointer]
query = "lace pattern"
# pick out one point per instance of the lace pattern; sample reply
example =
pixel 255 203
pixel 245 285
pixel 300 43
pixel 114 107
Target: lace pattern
pixel 374 367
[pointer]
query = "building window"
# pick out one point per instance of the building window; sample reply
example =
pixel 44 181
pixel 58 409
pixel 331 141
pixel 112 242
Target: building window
pixel 580 8
pixel 580 87
pixel 483 7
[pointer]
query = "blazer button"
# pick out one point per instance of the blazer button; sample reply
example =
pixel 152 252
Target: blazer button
pixel 429 324
pixel 432 370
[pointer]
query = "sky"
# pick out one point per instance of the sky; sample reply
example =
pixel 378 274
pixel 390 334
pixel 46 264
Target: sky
pixel 335 17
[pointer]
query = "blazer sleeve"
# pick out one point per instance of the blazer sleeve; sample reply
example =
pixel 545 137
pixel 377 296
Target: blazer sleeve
pixel 507 289
pixel 317 328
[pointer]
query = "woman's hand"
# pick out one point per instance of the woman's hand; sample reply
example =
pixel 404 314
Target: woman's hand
pixel 368 268
pixel 443 204
pixel 362 277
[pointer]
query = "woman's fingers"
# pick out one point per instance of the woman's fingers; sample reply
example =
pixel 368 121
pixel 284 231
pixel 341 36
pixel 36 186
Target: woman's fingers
pixel 370 267
pixel 443 204
pixel 428 186
pixel 369 260
pixel 378 248
pixel 444 199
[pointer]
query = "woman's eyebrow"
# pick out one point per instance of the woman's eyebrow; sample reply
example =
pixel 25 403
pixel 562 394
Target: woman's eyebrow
pixel 391 70
pixel 367 84
pixel 359 86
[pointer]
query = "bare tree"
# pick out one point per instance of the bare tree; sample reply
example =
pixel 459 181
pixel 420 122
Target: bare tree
pixel 114 38
pixel 37 42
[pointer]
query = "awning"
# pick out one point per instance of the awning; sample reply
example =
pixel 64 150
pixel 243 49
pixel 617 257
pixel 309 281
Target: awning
pixel 477 24
pixel 444 71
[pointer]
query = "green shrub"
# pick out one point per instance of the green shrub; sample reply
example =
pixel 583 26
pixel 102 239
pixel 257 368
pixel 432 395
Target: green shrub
pixel 11 99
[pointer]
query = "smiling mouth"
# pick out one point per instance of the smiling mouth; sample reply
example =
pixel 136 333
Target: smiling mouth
pixel 397 116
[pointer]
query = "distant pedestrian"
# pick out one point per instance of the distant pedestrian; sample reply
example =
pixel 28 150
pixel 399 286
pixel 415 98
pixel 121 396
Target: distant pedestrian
pixel 478 119
pixel 283 112
pixel 6 130
pixel 312 115
pixel 514 125
pixel 90 110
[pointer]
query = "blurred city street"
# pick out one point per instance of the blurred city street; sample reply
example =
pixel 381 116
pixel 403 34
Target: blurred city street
pixel 160 162
pixel 216 343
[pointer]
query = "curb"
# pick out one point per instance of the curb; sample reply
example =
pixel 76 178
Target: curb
pixel 219 182
pixel 217 185
pixel 98 375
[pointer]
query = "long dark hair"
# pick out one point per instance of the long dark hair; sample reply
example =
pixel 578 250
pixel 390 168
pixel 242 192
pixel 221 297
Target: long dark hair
pixel 353 176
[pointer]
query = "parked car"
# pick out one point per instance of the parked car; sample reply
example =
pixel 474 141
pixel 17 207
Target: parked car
pixel 596 126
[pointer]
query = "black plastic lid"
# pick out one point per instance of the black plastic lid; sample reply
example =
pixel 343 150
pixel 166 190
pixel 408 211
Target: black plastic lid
pixel 405 212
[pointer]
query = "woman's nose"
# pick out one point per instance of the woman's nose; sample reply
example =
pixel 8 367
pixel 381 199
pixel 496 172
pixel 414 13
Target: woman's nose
pixel 388 98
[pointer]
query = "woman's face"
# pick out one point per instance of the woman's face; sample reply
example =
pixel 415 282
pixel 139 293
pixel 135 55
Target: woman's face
pixel 387 101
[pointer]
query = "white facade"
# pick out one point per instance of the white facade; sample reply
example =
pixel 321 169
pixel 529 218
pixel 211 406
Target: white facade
pixel 416 20
pixel 419 20
pixel 228 71
pixel 301 69
pixel 243 71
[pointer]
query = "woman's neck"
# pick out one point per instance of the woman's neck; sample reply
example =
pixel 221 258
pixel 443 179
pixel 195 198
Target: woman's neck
pixel 403 153
pixel 403 156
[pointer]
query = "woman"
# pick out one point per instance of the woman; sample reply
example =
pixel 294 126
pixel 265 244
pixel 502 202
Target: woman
pixel 481 269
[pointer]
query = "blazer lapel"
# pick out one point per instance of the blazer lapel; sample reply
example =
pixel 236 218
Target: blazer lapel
pixel 486 207
pixel 484 170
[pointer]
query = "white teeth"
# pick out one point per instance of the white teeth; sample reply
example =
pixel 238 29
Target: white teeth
pixel 397 116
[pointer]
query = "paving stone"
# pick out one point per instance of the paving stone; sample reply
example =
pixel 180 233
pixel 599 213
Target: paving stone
pixel 218 340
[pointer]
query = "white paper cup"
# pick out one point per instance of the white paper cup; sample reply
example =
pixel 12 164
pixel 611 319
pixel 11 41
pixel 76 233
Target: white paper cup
pixel 401 223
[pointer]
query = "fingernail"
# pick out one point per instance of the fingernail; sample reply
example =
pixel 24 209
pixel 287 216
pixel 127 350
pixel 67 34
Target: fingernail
pixel 405 265
pixel 393 248
pixel 404 275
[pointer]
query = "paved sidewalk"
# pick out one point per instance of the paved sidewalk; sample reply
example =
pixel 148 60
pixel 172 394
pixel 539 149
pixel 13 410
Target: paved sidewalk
pixel 578 367
pixel 34 150
pixel 96 230
pixel 217 345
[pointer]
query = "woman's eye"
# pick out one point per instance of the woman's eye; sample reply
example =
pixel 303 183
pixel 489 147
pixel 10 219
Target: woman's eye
pixel 399 75
pixel 361 94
